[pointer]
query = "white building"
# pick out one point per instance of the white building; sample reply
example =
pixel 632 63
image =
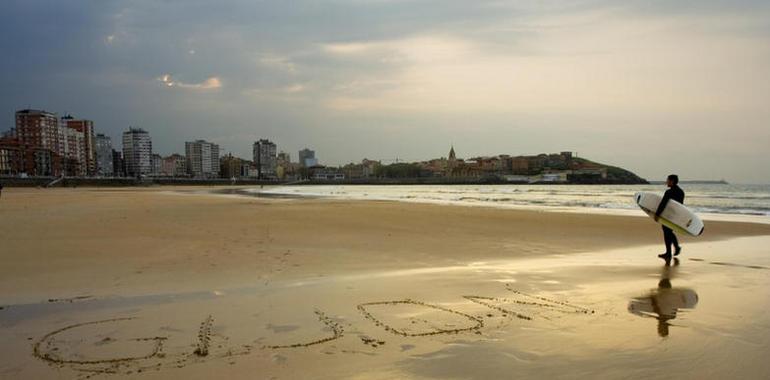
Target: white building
pixel 202 159
pixel 103 147
pixel 157 164
pixel 137 152
pixel 72 145
pixel 86 155
pixel 265 158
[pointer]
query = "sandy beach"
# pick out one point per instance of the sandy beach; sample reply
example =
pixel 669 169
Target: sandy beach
pixel 167 282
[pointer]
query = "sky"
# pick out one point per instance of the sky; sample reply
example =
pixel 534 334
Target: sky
pixel 656 87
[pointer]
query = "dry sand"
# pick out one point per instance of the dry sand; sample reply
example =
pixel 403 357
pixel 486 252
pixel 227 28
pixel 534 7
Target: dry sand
pixel 172 283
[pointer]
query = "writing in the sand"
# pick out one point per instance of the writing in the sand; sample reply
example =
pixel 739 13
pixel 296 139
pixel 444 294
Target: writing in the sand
pixel 149 352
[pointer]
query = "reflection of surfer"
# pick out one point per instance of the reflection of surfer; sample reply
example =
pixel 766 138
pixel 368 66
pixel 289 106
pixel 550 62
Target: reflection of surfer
pixel 664 302
pixel 676 193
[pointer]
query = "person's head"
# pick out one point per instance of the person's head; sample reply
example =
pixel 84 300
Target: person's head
pixel 672 180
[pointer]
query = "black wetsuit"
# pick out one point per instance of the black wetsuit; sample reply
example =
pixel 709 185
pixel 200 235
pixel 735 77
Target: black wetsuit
pixel 676 193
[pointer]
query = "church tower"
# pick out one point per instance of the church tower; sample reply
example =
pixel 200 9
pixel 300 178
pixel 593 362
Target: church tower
pixel 451 162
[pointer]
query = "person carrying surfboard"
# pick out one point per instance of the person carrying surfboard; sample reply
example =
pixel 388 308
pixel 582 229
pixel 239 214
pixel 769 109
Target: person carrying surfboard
pixel 676 193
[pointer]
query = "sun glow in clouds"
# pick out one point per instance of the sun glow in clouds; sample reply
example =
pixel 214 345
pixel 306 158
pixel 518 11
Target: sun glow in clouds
pixel 208 84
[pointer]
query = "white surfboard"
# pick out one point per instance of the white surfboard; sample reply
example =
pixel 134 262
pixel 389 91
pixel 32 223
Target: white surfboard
pixel 664 302
pixel 675 216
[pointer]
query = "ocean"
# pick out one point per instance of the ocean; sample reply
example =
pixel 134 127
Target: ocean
pixel 709 199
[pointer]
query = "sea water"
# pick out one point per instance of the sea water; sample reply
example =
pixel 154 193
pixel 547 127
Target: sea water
pixel 713 199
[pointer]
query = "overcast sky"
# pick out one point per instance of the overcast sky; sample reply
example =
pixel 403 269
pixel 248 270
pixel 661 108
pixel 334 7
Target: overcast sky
pixel 653 86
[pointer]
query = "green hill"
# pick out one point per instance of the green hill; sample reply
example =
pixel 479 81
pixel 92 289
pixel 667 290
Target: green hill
pixel 615 175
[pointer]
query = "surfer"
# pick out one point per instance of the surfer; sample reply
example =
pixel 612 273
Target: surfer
pixel 676 193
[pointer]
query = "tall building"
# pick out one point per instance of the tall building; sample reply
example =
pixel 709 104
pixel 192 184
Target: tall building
pixel 231 167
pixel 69 142
pixel 72 148
pixel 86 129
pixel 285 166
pixel 42 162
pixel 118 164
pixel 37 137
pixel 202 159
pixel 156 164
pixel 174 165
pixel 37 128
pixel 11 156
pixel 307 158
pixel 283 158
pixel 103 153
pixel 137 152
pixel 265 158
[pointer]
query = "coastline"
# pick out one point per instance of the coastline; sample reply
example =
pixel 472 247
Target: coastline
pixel 180 181
pixel 630 209
pixel 151 233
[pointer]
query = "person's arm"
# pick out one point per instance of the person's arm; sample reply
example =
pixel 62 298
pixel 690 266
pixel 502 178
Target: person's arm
pixel 663 203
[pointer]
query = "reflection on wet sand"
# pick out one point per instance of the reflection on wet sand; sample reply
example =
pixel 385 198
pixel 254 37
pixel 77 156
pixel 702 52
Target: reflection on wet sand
pixel 664 302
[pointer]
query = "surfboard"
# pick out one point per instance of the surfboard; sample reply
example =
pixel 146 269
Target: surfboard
pixel 664 302
pixel 675 216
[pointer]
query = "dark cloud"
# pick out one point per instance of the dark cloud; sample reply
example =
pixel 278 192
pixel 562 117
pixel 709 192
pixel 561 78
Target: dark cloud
pixel 242 70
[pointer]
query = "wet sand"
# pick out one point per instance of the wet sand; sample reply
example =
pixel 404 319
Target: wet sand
pixel 148 283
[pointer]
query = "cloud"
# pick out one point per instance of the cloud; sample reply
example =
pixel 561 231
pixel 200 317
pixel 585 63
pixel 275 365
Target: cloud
pixel 294 88
pixel 279 62
pixel 592 73
pixel 589 62
pixel 349 47
pixel 208 84
pixel 288 93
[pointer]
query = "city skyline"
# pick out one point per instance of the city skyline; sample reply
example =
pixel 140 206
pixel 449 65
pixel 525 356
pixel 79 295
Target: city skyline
pixel 166 164
pixel 43 144
pixel 649 86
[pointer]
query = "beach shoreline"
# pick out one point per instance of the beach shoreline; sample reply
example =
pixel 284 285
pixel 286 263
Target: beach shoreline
pixel 148 229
